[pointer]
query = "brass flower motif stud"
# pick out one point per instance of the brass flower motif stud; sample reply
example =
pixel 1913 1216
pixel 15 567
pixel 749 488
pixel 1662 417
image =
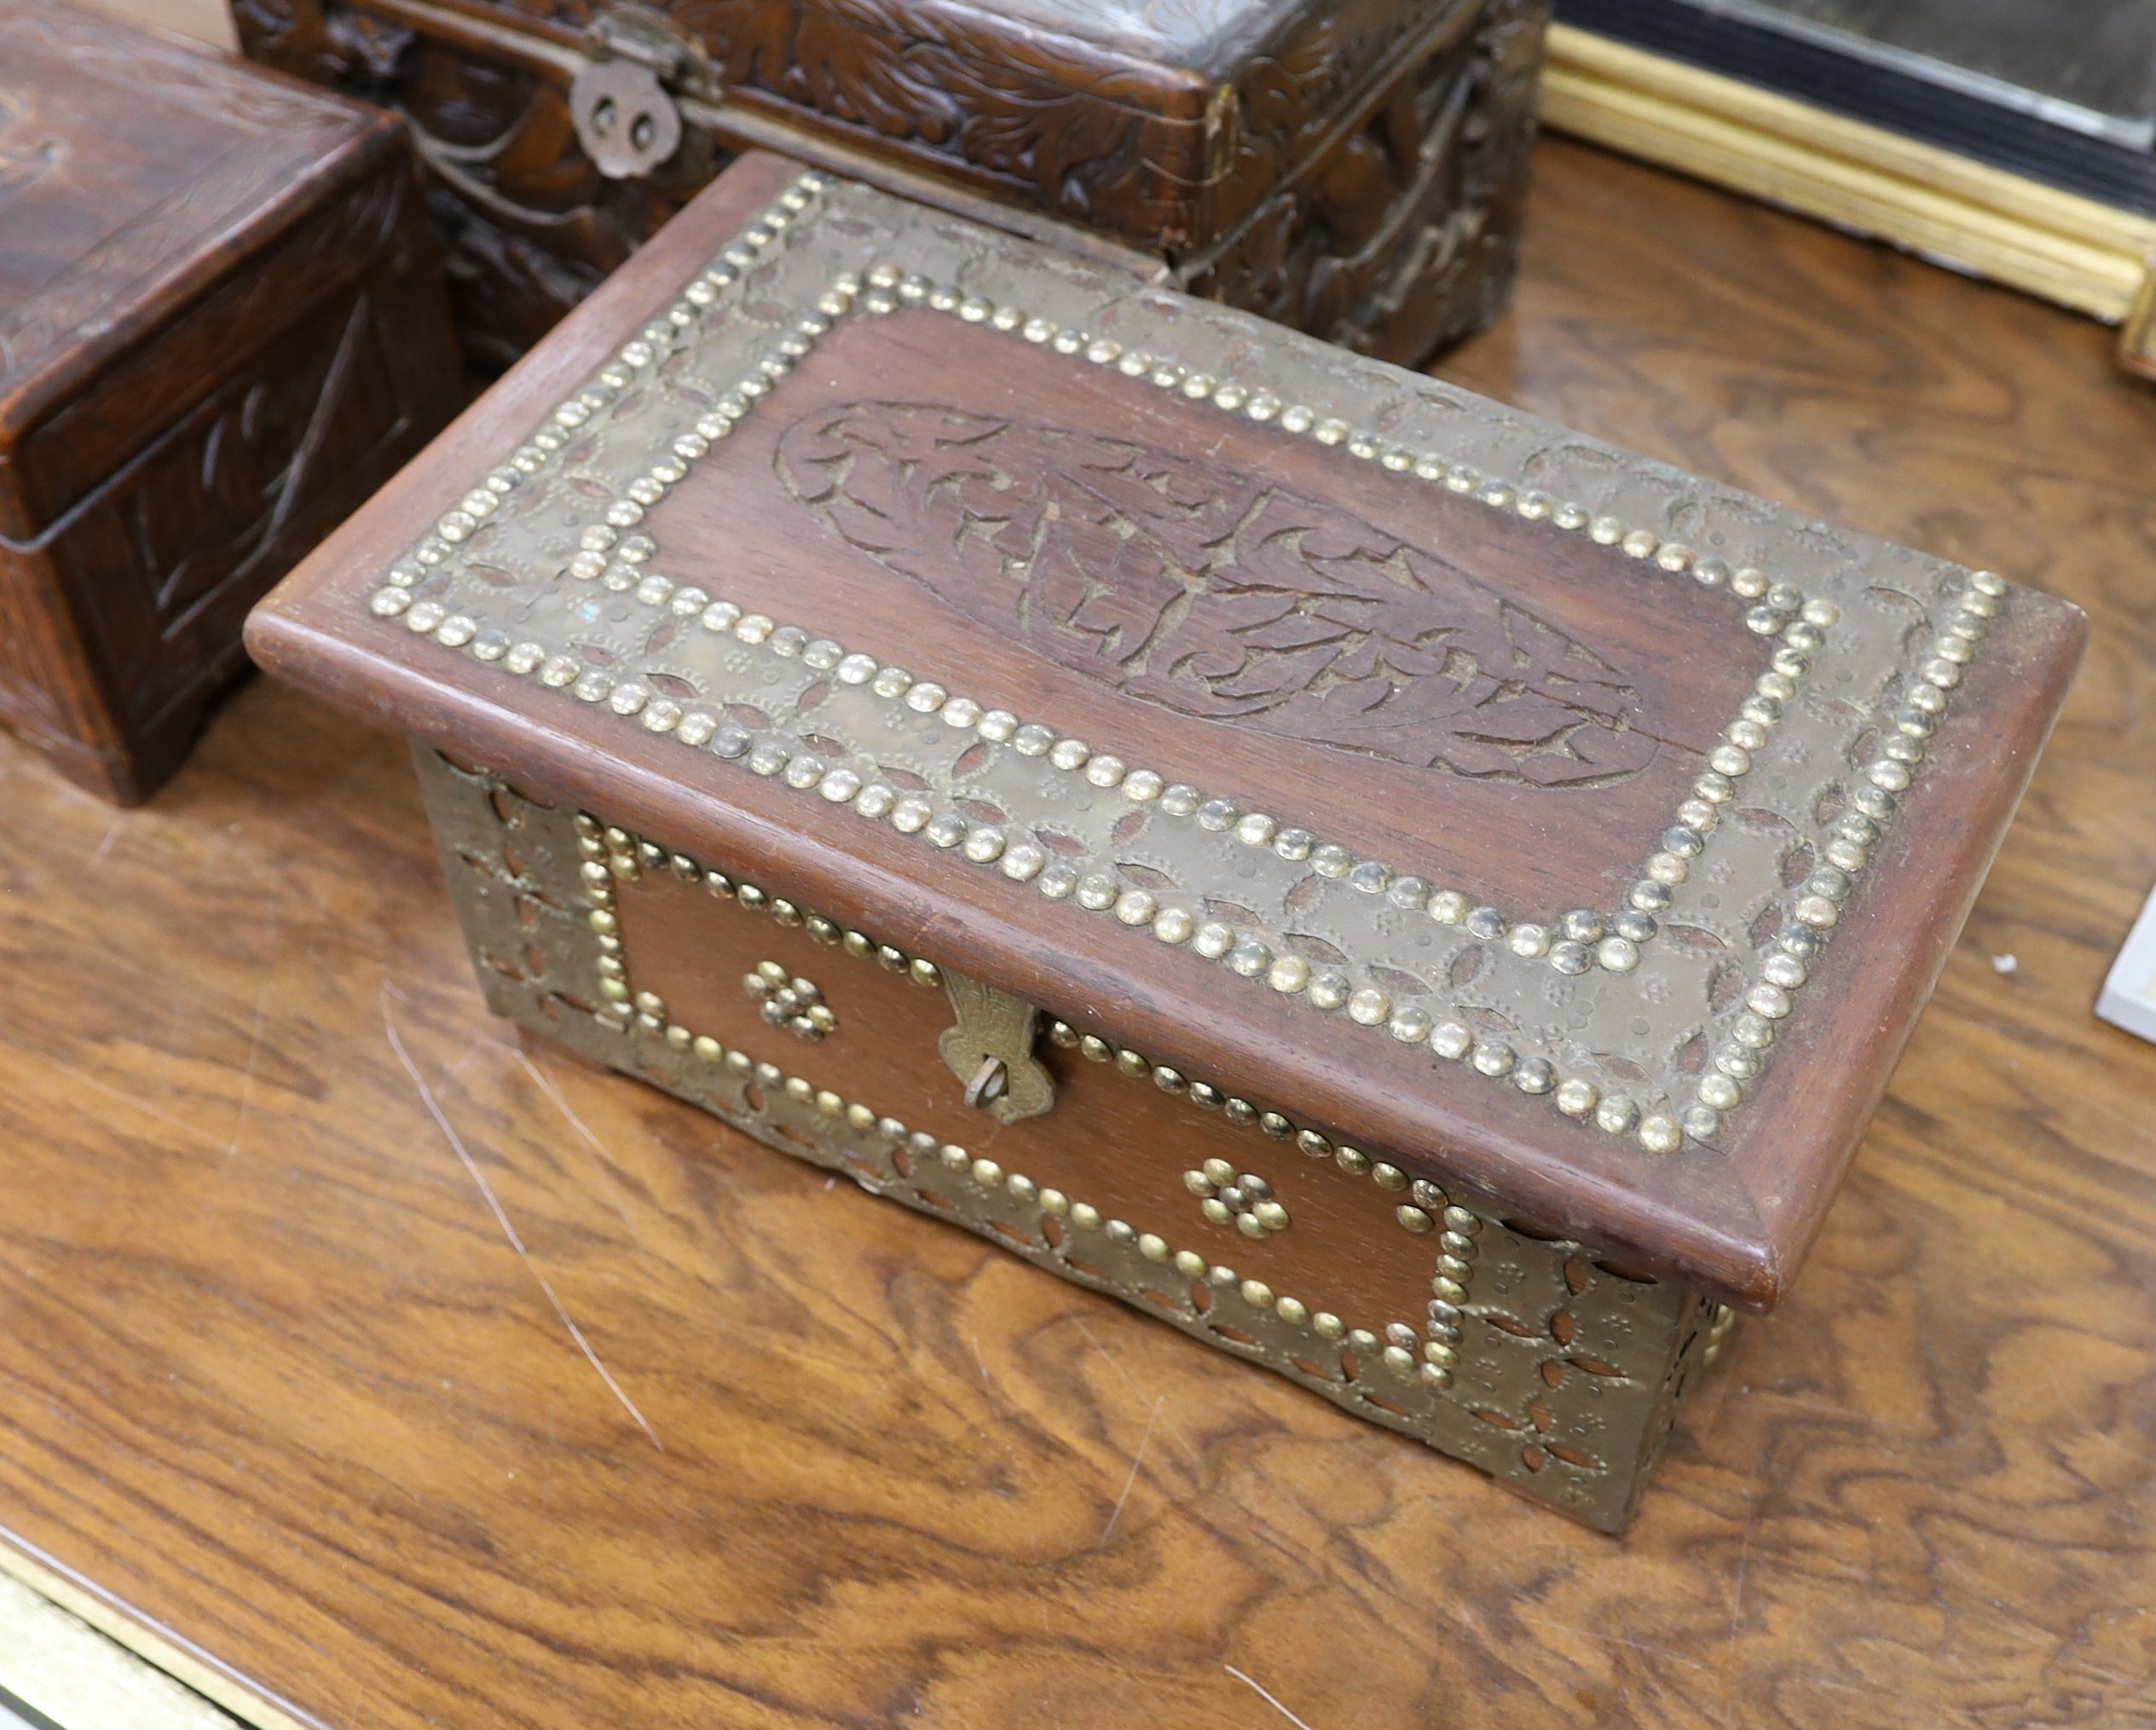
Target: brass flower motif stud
pixel 789 1002
pixel 1240 1199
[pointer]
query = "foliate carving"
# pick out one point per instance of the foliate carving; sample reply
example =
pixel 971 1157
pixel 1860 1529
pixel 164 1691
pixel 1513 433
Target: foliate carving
pixel 1011 105
pixel 1215 594
pixel 1397 238
pixel 1404 236
pixel 529 224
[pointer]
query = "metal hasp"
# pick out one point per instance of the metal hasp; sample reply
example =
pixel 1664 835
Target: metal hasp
pixel 990 1050
pixel 626 118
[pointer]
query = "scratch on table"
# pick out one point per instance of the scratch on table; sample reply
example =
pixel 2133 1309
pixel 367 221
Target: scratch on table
pixel 988 1388
pixel 501 1217
pixel 454 1067
pixel 105 845
pixel 1737 1597
pixel 601 1156
pixel 128 1099
pixel 1078 1322
pixel 1137 1460
pixel 1266 1695
pixel 254 1056
pixel 1656 1652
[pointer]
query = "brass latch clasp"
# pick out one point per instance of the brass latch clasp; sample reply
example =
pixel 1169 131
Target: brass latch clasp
pixel 990 1050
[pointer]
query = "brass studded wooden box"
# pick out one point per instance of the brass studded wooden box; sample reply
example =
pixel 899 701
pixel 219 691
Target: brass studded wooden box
pixel 1357 168
pixel 1411 896
pixel 222 326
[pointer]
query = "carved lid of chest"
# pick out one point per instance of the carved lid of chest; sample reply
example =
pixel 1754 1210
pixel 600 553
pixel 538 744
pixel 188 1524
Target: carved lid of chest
pixel 146 184
pixel 1164 122
pixel 1575 829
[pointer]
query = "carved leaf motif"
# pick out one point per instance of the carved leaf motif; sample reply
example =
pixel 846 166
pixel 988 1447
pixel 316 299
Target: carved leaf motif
pixel 904 74
pixel 1215 594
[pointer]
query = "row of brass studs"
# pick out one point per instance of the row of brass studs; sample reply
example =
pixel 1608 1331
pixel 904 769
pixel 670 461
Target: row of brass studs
pixel 613 855
pixel 1581 939
pixel 1423 1208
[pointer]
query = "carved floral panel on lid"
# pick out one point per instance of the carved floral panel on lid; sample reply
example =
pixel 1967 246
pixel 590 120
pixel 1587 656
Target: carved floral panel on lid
pixel 1216 593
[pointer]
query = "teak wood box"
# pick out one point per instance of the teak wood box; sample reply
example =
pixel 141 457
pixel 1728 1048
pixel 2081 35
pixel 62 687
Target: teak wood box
pixel 221 326
pixel 1474 884
pixel 1356 168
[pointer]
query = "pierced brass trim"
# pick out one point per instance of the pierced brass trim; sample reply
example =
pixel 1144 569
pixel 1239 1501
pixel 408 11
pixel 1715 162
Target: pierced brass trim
pixel 1561 1375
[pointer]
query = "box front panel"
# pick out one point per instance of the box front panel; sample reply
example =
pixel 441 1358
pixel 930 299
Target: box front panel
pixel 1547 1365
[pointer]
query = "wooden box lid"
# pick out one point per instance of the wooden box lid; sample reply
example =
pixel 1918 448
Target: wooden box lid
pixel 1565 826
pixel 1163 121
pixel 141 179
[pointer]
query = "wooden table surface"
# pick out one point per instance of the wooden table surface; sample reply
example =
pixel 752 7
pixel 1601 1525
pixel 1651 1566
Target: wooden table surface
pixel 422 1380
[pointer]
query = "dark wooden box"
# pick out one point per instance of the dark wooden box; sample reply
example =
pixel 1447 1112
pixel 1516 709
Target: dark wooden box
pixel 1409 895
pixel 222 326
pixel 1354 168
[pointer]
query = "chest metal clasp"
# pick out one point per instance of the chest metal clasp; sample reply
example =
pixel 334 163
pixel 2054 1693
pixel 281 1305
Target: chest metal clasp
pixel 990 1050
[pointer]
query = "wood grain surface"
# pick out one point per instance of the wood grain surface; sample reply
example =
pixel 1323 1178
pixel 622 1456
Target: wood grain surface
pixel 425 1381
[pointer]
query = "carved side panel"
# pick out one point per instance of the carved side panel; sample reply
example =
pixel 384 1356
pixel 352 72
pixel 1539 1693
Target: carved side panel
pixel 126 613
pixel 1542 1364
pixel 169 554
pixel 1404 236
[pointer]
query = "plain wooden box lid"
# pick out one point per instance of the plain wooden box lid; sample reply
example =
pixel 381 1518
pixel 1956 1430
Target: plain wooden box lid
pixel 146 183
pixel 1318 619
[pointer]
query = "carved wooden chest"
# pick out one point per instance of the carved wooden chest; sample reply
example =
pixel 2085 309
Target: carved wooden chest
pixel 1411 896
pixel 1356 168
pixel 222 326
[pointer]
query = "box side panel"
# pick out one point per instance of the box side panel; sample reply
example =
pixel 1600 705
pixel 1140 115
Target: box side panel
pixel 1537 1360
pixel 49 696
pixel 1402 232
